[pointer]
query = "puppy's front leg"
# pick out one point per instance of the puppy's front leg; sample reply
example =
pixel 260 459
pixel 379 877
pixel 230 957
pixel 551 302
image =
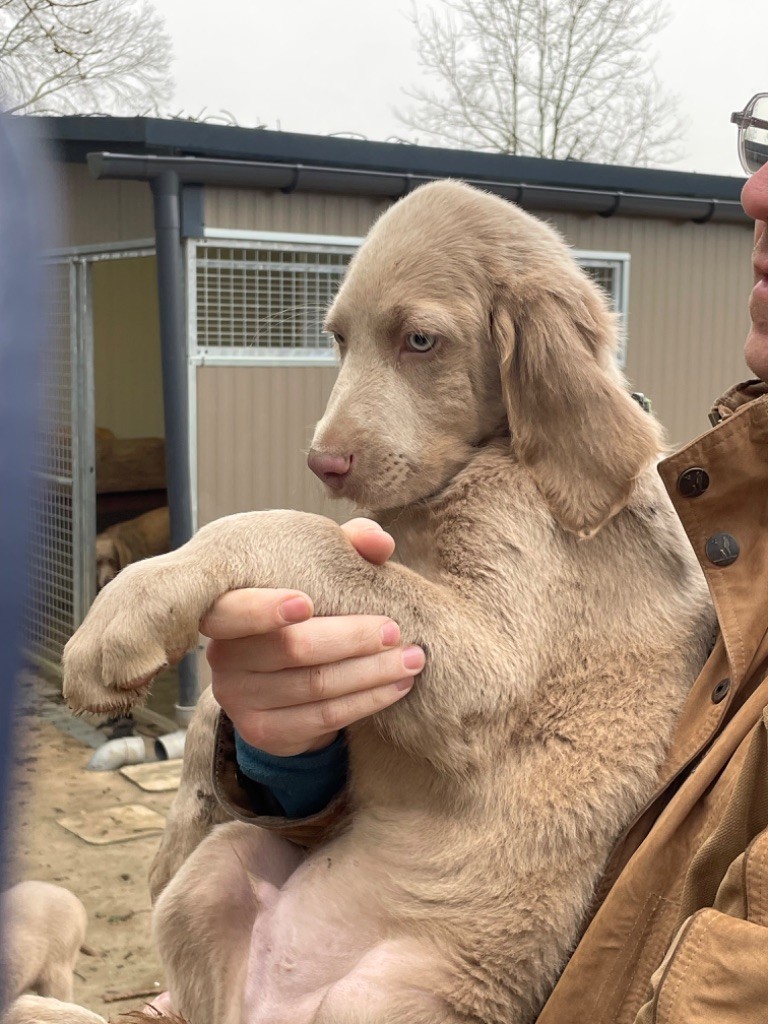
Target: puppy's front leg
pixel 149 615
pixel 195 809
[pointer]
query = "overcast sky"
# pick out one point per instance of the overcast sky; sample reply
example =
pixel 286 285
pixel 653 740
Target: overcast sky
pixel 325 66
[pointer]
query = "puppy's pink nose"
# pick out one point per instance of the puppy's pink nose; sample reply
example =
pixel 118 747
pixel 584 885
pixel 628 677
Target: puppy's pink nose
pixel 332 469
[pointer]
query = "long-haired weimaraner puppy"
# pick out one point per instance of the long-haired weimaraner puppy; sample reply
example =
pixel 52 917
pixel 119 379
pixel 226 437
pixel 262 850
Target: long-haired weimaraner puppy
pixel 42 930
pixel 480 414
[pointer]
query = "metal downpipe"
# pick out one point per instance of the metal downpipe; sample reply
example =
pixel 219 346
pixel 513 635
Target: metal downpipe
pixel 173 343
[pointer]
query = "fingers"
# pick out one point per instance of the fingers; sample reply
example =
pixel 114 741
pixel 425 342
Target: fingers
pixel 289 682
pixel 294 730
pixel 245 613
pixel 316 642
pixel 369 540
pixel 246 692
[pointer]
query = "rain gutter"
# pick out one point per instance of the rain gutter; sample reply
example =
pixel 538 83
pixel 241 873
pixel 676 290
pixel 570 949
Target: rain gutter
pixel 300 177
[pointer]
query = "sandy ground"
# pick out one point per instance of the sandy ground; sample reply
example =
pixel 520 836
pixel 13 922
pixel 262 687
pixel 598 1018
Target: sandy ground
pixel 110 880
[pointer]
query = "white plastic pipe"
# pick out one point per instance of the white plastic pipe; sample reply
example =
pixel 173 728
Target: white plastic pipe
pixel 116 753
pixel 171 745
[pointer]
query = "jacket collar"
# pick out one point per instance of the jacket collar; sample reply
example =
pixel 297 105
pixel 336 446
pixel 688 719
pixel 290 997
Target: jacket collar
pixel 735 397
pixel 724 511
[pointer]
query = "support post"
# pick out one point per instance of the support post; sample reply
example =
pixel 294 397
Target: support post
pixel 173 340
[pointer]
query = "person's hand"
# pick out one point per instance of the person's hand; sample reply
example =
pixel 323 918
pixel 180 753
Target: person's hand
pixel 289 681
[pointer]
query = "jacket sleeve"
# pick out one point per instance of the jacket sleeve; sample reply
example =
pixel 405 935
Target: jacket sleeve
pixel 253 802
pixel 716 970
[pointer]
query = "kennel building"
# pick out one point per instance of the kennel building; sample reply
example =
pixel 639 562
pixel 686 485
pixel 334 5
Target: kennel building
pixel 187 285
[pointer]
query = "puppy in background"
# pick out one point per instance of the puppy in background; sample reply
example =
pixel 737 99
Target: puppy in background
pixel 120 545
pixel 39 1010
pixel 43 930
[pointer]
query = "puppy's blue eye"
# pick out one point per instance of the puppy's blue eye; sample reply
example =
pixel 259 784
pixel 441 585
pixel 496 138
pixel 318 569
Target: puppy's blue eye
pixel 420 342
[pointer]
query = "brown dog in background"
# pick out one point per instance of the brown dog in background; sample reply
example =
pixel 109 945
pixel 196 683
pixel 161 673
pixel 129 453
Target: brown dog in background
pixel 124 543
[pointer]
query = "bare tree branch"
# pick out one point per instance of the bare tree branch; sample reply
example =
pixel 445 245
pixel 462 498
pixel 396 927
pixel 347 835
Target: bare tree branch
pixel 83 56
pixel 564 79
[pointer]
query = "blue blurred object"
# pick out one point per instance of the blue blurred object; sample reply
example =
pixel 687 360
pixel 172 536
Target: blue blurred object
pixel 22 330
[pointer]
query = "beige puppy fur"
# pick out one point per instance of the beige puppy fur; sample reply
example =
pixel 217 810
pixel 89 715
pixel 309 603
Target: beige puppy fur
pixel 43 928
pixel 124 543
pixel 39 1010
pixel 563 614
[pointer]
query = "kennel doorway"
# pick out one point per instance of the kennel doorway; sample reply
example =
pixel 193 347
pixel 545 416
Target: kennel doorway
pixel 62 579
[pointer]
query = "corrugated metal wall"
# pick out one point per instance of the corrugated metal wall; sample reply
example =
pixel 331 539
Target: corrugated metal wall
pixel 100 212
pixel 254 425
pixel 301 212
pixel 688 318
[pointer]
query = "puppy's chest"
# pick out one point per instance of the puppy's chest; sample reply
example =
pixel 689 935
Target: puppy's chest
pixel 472 544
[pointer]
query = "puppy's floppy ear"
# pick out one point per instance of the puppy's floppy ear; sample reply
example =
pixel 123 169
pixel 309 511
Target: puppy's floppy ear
pixel 573 422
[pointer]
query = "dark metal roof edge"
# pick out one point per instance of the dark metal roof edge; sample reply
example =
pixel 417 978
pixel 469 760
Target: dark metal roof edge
pixel 313 177
pixel 224 141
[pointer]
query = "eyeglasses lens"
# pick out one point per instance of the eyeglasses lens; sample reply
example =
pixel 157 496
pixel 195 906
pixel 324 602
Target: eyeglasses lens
pixel 754 141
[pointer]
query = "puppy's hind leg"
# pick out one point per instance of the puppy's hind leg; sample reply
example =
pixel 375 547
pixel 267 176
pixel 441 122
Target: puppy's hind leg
pixel 204 918
pixel 399 981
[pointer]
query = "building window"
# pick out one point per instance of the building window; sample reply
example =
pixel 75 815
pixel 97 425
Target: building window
pixel 264 300
pixel 611 271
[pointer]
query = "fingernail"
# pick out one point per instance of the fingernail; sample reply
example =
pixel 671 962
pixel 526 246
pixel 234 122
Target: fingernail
pixel 390 634
pixel 404 684
pixel 295 609
pixel 413 657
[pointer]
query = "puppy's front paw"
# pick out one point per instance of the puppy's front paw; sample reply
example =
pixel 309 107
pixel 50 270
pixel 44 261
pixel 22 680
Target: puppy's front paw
pixel 143 621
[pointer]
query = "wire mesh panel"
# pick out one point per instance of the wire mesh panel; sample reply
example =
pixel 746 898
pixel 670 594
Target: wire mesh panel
pixel 265 300
pixel 258 301
pixel 51 562
pixel 61 566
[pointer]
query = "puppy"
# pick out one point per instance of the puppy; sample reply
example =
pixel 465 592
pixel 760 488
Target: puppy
pixel 43 931
pixel 480 414
pixel 124 543
pixel 41 1010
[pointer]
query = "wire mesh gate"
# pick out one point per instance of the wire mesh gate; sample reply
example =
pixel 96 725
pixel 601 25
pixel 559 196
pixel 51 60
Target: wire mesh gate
pixel 61 559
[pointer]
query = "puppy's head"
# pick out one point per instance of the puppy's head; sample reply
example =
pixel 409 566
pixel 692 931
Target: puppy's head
pixel 462 318
pixel 111 557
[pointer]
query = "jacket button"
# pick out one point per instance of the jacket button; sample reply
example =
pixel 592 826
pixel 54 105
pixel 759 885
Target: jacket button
pixel 722 549
pixel 693 482
pixel 721 690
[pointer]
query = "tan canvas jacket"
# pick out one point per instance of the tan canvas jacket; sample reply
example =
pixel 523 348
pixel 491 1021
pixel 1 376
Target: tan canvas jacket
pixel 680 927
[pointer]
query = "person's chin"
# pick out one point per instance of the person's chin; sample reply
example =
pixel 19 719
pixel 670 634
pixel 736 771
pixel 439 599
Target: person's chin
pixel 756 350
